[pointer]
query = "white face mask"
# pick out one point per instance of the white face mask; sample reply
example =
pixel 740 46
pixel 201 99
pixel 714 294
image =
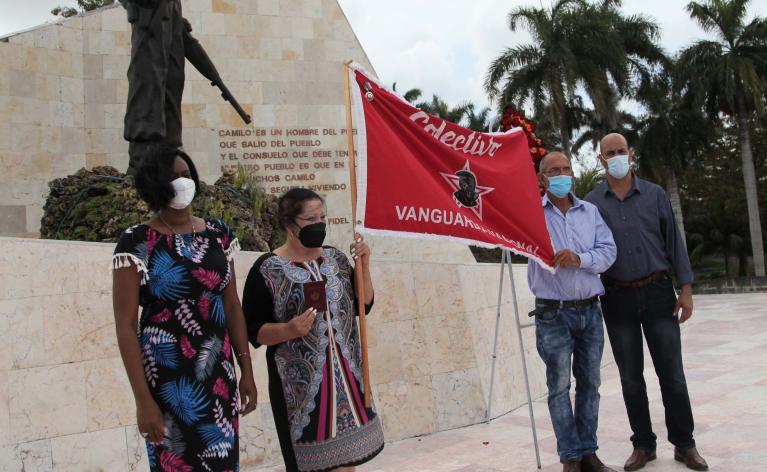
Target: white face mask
pixel 185 190
pixel 618 166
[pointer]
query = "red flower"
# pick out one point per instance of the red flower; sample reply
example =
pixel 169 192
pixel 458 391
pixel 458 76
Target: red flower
pixel 513 118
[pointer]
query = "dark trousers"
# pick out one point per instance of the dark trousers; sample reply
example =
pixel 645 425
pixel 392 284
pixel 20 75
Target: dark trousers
pixel 629 312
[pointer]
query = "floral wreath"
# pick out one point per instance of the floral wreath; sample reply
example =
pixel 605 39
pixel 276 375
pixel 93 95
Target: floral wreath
pixel 513 118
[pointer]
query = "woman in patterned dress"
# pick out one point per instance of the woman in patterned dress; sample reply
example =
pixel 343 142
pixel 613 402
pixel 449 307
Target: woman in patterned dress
pixel 178 353
pixel 314 357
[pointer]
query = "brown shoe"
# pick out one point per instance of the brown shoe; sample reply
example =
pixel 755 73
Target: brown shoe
pixel 571 466
pixel 639 458
pixel 691 458
pixel 591 463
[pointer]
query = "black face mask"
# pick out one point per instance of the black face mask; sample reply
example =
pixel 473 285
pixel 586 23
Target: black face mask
pixel 312 235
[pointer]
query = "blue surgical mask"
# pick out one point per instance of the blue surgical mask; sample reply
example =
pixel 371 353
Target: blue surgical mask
pixel 618 166
pixel 560 185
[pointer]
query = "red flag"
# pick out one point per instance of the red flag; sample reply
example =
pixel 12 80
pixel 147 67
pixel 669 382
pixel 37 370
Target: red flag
pixel 420 176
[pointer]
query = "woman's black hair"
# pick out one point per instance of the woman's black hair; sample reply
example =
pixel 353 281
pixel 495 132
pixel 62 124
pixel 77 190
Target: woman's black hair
pixel 154 176
pixel 291 203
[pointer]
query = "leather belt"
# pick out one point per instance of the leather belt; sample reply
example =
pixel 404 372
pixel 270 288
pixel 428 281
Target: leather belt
pixel 638 283
pixel 566 303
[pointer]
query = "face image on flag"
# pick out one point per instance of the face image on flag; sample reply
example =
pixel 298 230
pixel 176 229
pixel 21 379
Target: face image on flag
pixel 420 176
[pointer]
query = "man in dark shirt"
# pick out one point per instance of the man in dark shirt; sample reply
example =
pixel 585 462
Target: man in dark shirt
pixel 640 297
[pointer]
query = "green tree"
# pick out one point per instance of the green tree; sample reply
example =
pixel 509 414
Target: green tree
pixel 727 74
pixel 411 95
pixel 670 136
pixel 543 71
pixel 587 180
pixel 442 109
pixel 479 121
pixel 577 44
pixel 716 204
pixel 594 127
pixel 84 5
pixel 616 55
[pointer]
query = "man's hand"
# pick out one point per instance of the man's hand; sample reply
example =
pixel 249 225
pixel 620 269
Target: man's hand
pixel 684 302
pixel 567 259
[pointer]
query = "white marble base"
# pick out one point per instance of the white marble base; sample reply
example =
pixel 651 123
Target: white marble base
pixel 65 402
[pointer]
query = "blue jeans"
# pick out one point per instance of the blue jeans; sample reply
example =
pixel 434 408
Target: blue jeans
pixel 563 334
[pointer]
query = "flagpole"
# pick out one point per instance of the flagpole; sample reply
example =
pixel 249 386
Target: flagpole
pixel 358 267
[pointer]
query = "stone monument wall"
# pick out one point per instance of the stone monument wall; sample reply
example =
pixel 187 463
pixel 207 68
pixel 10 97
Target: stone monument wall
pixel 65 401
pixel 63 89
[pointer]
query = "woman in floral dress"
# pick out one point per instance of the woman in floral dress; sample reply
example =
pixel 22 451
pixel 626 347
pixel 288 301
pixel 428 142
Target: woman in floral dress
pixel 314 357
pixel 178 353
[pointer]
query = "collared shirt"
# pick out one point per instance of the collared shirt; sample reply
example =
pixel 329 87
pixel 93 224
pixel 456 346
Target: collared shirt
pixel 645 231
pixel 583 231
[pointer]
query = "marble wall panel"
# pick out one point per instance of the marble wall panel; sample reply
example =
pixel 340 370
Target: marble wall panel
pixel 458 399
pixel 430 370
pixel 32 456
pixel 407 408
pixel 109 397
pixel 92 451
pixel 136 451
pixel 47 402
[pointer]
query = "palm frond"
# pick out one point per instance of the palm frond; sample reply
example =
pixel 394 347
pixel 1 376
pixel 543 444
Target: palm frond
pixel 510 60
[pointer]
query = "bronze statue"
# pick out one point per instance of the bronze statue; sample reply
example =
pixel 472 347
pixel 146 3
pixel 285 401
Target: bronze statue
pixel 161 40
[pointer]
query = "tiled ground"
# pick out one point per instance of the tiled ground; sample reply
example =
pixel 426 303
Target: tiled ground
pixel 725 354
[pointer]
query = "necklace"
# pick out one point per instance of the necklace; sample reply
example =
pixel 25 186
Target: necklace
pixel 175 233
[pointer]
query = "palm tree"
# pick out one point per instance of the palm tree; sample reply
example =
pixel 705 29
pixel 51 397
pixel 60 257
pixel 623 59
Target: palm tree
pixel 716 230
pixel 728 75
pixel 617 54
pixel 481 121
pixel 411 95
pixel 543 71
pixel 671 135
pixel 438 107
pixel 442 109
pixel 595 128
pixel 588 179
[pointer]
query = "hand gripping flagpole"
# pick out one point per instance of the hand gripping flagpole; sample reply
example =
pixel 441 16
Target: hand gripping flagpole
pixel 358 268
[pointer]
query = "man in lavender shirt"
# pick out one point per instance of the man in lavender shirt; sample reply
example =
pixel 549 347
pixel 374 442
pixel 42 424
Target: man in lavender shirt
pixel 568 318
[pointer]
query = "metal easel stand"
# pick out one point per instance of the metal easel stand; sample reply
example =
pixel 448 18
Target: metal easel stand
pixel 506 262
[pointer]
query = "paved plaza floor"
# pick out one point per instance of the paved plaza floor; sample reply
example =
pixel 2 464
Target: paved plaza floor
pixel 725 356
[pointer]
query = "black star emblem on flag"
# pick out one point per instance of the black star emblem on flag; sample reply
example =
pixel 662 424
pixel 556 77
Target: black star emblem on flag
pixel 467 192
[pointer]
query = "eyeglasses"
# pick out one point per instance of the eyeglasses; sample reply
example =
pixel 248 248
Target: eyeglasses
pixel 553 171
